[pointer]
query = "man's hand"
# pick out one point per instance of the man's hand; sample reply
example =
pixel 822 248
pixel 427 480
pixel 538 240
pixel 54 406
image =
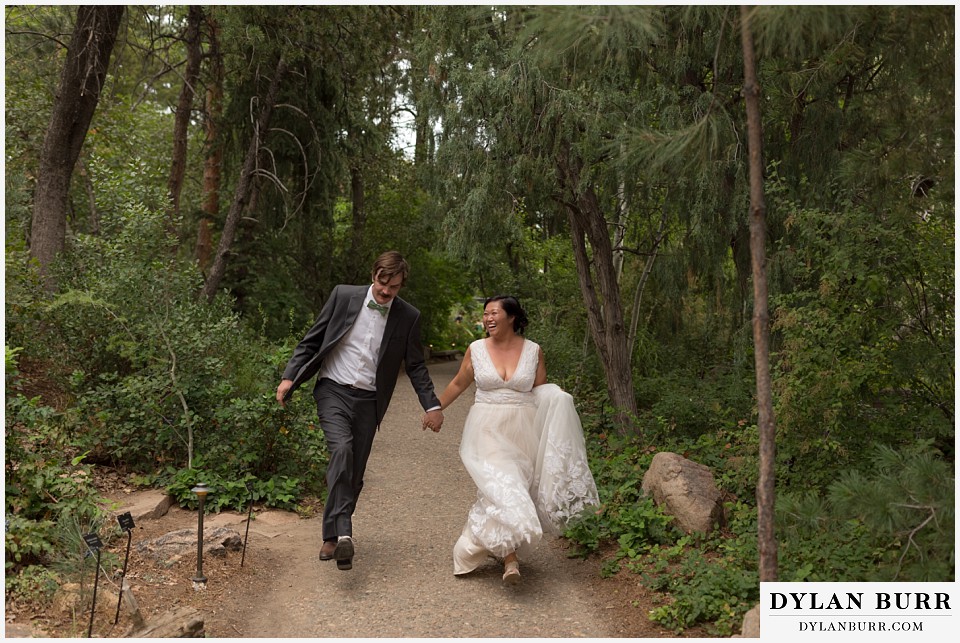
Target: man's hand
pixel 285 385
pixel 433 420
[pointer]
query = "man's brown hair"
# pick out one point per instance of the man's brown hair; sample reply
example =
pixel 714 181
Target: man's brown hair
pixel 390 264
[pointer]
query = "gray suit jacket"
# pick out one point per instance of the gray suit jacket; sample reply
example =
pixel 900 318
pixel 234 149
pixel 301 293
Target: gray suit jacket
pixel 400 345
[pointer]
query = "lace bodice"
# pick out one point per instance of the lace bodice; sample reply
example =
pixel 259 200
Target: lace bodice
pixel 492 389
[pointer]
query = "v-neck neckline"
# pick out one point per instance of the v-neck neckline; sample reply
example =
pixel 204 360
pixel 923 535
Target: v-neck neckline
pixel 516 368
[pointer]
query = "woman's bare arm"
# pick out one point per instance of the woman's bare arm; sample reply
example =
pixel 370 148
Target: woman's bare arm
pixel 460 382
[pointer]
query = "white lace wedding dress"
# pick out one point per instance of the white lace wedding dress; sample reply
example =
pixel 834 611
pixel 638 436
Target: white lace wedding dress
pixel 525 451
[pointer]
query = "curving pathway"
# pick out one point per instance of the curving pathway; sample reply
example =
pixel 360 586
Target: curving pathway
pixel 414 503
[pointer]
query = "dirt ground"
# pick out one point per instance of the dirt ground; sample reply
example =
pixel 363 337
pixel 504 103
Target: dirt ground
pixel 413 506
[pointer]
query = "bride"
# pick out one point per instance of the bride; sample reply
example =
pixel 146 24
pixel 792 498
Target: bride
pixel 522 445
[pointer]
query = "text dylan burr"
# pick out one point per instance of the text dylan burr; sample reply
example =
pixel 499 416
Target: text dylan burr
pixel 856 601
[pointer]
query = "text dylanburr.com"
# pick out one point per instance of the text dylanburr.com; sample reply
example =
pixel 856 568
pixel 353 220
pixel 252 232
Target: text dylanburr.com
pixel 858 611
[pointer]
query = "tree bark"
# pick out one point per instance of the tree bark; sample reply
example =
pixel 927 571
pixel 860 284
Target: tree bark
pixel 242 193
pixel 766 486
pixel 359 219
pixel 213 153
pixel 91 197
pixel 81 82
pixel 620 229
pixel 644 276
pixel 178 163
pixel 599 287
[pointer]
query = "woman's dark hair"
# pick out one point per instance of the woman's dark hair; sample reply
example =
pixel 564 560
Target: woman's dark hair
pixel 511 306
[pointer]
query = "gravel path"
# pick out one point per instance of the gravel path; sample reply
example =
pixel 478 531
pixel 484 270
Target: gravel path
pixel 414 504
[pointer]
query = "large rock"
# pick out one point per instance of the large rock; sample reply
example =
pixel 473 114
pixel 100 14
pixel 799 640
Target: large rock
pixel 23 631
pixel 270 523
pixel 179 623
pixel 73 600
pixel 67 600
pixel 149 504
pixel 751 625
pixel 172 546
pixel 685 490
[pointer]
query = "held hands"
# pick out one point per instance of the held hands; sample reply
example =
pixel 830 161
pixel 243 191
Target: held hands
pixel 433 420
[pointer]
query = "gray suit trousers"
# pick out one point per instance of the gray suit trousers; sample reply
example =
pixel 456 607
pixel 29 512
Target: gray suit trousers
pixel 348 418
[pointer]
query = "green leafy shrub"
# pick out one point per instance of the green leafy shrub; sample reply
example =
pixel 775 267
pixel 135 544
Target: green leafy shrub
pixel 43 485
pixel 895 521
pixel 154 378
pixel 26 322
pixel 27 541
pixel 713 580
pixel 231 493
pixel 34 584
pixel 10 369
pixel 160 377
pixel 865 336
pixel 625 515
pixel 268 440
pixel 708 589
pixel 819 546
pixel 279 453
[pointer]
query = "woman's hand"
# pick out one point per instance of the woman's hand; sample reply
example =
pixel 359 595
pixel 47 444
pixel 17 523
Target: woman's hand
pixel 432 420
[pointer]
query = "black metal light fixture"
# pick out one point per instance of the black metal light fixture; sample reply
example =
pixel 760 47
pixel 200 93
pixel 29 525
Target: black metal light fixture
pixel 201 490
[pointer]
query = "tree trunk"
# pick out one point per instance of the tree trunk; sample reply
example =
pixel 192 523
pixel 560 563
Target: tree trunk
pixel 213 152
pixel 242 192
pixel 81 82
pixel 421 147
pixel 91 197
pixel 644 276
pixel 420 75
pixel 620 229
pixel 359 218
pixel 761 324
pixel 178 163
pixel 604 308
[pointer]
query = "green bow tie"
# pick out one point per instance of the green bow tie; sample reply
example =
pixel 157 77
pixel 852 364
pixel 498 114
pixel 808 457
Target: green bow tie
pixel 383 310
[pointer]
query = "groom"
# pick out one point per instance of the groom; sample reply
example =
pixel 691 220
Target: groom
pixel 356 347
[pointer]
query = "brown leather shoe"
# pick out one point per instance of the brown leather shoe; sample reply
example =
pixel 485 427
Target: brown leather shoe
pixel 326 552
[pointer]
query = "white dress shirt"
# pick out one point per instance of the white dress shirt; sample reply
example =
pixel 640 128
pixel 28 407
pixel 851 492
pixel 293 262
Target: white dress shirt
pixel 353 362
